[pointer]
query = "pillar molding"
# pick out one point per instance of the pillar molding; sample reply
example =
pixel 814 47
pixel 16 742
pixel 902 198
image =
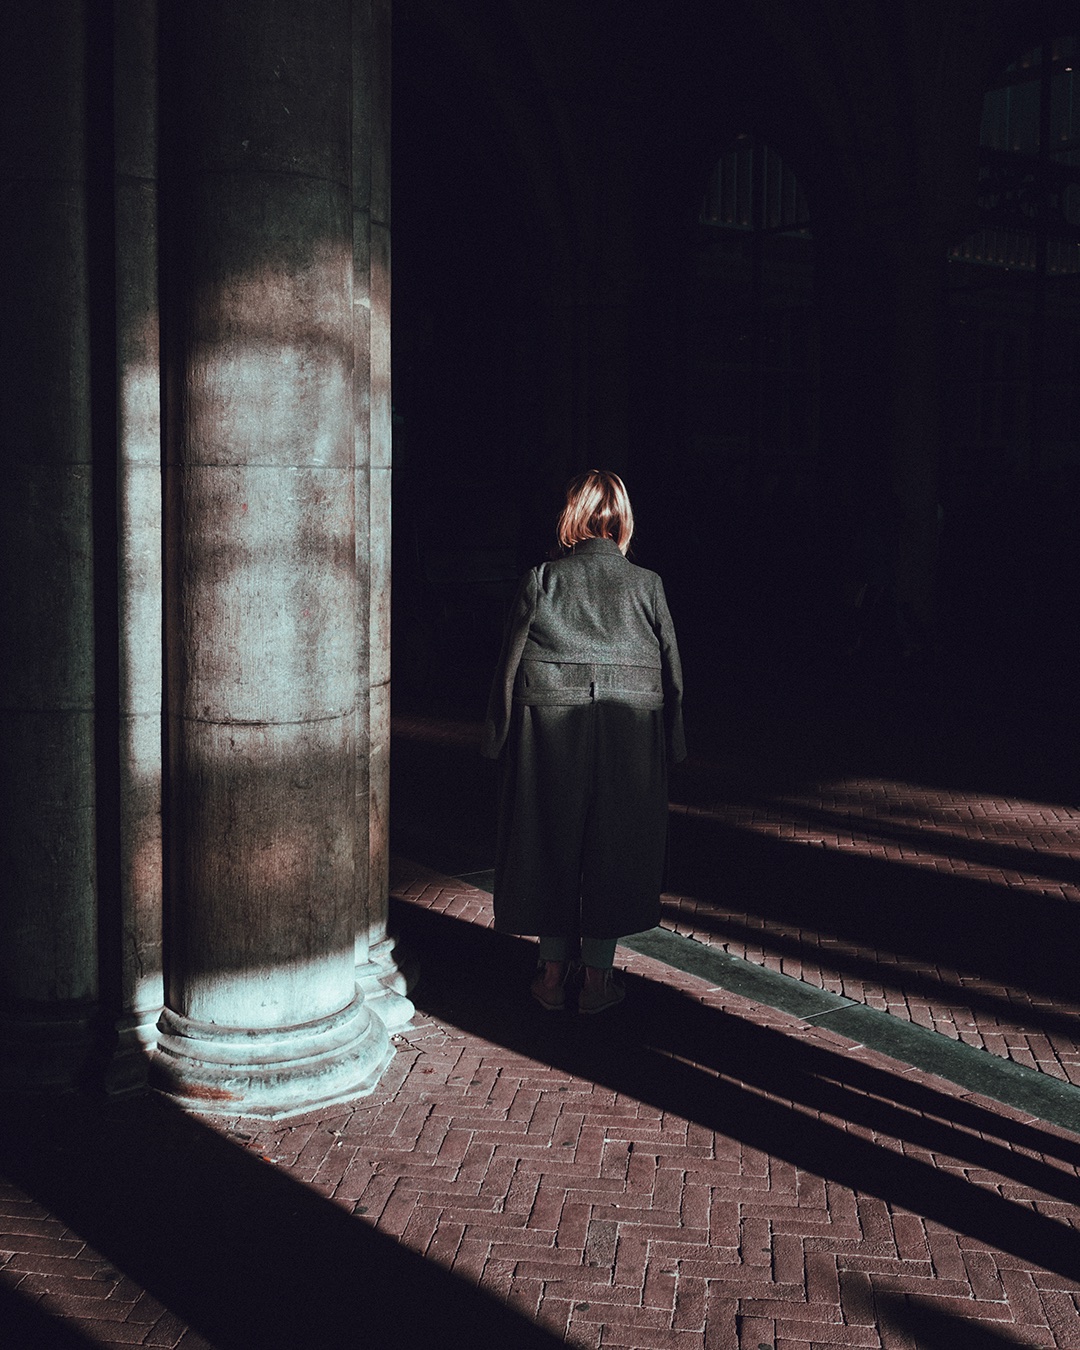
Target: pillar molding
pixel 275 1072
pixel 384 971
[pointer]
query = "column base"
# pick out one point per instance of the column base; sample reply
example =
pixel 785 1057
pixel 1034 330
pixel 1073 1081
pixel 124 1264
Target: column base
pixel 385 980
pixel 128 1065
pixel 39 1053
pixel 274 1072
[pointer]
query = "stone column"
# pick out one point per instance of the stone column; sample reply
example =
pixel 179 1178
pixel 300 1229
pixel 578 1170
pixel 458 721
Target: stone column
pixel 263 1015
pixel 138 404
pixel 48 914
pixel 384 972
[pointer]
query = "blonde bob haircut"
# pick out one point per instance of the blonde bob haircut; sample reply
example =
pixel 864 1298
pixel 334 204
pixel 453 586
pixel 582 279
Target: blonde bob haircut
pixel 597 507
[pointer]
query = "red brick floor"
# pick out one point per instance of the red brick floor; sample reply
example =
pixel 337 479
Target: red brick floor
pixel 690 1170
pixel 1028 852
pixel 954 907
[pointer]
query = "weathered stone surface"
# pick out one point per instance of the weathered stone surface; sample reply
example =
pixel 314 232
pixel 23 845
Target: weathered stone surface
pixel 266 87
pixel 385 978
pixel 138 995
pixel 46 603
pixel 140 754
pixel 384 971
pixel 45 85
pixel 48 920
pixel 48 950
pixel 138 320
pixel 46 352
pixel 135 91
pixel 141 864
pixel 379 105
pixel 264 586
pixel 380 346
pixel 365 60
pixel 379 576
pixel 266 615
pixel 379 809
pixel 261 890
pixel 228 1071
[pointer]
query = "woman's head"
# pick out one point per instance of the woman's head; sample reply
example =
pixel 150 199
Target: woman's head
pixel 597 507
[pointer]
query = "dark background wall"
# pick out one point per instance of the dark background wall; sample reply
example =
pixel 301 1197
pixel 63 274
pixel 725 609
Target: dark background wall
pixel 801 412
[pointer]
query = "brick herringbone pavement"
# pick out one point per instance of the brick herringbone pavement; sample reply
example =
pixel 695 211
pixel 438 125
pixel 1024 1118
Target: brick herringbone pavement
pixel 950 908
pixel 957 908
pixel 741 1179
pixel 690 1170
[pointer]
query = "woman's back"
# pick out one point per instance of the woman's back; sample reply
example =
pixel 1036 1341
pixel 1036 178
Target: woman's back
pixel 585 715
pixel 595 606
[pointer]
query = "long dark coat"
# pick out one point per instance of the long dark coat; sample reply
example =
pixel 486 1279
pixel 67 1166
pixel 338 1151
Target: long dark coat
pixel 585 712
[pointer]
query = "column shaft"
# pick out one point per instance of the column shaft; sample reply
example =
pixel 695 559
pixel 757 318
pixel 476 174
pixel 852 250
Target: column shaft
pixel 262 1015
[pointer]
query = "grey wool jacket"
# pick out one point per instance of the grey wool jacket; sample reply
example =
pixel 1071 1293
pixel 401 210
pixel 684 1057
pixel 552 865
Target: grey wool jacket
pixel 588 626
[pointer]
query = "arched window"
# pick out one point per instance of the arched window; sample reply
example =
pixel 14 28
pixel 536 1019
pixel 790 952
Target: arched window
pixel 1013 409
pixel 752 354
pixel 1029 165
pixel 753 189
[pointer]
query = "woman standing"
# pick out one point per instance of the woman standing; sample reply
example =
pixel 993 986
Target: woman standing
pixel 585 710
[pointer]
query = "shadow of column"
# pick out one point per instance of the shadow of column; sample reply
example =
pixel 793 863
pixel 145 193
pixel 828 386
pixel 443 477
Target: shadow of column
pixel 246 1255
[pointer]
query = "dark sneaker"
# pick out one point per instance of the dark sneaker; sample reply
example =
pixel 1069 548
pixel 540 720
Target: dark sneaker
pixel 551 997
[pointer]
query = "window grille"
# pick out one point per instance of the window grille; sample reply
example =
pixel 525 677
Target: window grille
pixel 753 189
pixel 1029 166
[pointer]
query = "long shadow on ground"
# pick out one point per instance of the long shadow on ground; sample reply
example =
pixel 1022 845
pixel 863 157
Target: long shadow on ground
pixel 772 1091
pixel 1012 937
pixel 241 1252
pixel 728 928
pixel 931 1326
pixel 443 813
pixel 25 1326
